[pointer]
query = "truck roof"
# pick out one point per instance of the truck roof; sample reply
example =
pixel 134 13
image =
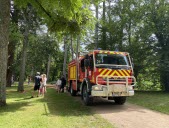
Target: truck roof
pixel 109 52
pixel 99 51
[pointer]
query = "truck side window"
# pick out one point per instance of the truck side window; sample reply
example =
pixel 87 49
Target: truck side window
pixel 82 65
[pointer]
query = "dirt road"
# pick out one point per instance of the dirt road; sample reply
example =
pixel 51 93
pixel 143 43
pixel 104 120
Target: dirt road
pixel 130 116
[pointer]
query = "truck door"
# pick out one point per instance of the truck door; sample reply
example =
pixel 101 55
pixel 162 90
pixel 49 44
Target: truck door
pixel 91 68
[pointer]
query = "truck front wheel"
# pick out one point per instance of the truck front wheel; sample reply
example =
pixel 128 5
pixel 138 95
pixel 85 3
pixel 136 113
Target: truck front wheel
pixel 120 100
pixel 86 97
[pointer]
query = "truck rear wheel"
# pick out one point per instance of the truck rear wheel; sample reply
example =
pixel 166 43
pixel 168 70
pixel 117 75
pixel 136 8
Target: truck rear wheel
pixel 86 97
pixel 120 100
pixel 72 91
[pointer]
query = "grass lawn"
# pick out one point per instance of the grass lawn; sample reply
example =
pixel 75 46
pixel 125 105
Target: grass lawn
pixel 53 111
pixel 158 101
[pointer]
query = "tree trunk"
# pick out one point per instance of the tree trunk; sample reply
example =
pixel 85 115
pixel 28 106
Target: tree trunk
pixel 71 47
pixel 48 66
pixel 164 60
pixel 11 49
pixel 4 39
pixel 55 70
pixel 111 46
pixel 23 63
pixel 103 27
pixel 77 60
pixel 65 58
pixel 24 53
pixel 96 28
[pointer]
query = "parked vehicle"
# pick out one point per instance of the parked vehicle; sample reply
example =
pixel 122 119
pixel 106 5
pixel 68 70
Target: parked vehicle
pixel 102 73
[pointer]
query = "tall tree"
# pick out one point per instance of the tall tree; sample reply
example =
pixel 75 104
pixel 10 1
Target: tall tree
pixel 65 55
pixel 13 39
pixel 96 26
pixel 4 39
pixel 27 17
pixel 159 17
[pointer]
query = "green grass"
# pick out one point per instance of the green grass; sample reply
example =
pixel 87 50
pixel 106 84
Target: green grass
pixel 156 100
pixel 53 111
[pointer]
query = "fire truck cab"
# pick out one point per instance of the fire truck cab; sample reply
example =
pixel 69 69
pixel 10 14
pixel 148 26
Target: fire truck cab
pixel 102 73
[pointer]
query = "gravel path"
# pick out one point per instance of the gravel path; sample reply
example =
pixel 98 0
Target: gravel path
pixel 130 116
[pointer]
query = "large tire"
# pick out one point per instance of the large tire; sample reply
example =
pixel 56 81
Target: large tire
pixel 120 100
pixel 86 96
pixel 72 92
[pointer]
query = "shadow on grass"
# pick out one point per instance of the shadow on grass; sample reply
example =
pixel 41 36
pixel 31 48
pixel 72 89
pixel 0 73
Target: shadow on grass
pixel 13 107
pixel 63 105
pixel 16 101
pixel 54 103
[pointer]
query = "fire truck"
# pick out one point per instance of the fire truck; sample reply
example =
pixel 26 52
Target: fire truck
pixel 102 73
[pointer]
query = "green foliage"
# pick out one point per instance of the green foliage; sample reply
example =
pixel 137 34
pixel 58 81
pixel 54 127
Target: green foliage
pixel 15 34
pixel 140 28
pixel 158 16
pixel 39 51
pixel 69 16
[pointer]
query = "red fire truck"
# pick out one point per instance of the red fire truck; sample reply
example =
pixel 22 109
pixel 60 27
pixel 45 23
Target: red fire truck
pixel 102 73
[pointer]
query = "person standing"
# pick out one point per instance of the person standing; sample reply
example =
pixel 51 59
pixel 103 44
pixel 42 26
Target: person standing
pixel 37 84
pixel 63 84
pixel 58 84
pixel 44 80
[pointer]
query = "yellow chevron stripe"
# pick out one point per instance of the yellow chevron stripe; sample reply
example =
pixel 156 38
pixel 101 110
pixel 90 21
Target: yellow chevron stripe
pixel 127 74
pixel 121 73
pixel 112 73
pixel 103 71
pixel 129 71
pixel 115 72
pixel 108 72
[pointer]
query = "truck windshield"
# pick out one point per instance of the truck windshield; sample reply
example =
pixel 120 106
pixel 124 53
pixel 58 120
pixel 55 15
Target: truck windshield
pixel 111 59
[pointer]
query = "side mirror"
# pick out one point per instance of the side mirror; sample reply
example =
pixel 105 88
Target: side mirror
pixel 132 65
pixel 132 62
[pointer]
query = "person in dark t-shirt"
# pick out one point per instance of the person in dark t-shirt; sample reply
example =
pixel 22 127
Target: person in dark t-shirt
pixel 63 84
pixel 37 84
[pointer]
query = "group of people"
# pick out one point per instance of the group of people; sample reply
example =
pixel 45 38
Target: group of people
pixel 40 84
pixel 60 84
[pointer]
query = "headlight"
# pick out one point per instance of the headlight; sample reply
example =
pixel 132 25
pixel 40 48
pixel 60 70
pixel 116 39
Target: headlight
pixel 97 88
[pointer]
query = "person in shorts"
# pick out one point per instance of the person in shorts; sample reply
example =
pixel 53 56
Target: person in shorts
pixel 37 84
pixel 43 84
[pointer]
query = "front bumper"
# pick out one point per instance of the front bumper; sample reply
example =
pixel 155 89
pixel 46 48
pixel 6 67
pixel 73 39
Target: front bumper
pixel 112 90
